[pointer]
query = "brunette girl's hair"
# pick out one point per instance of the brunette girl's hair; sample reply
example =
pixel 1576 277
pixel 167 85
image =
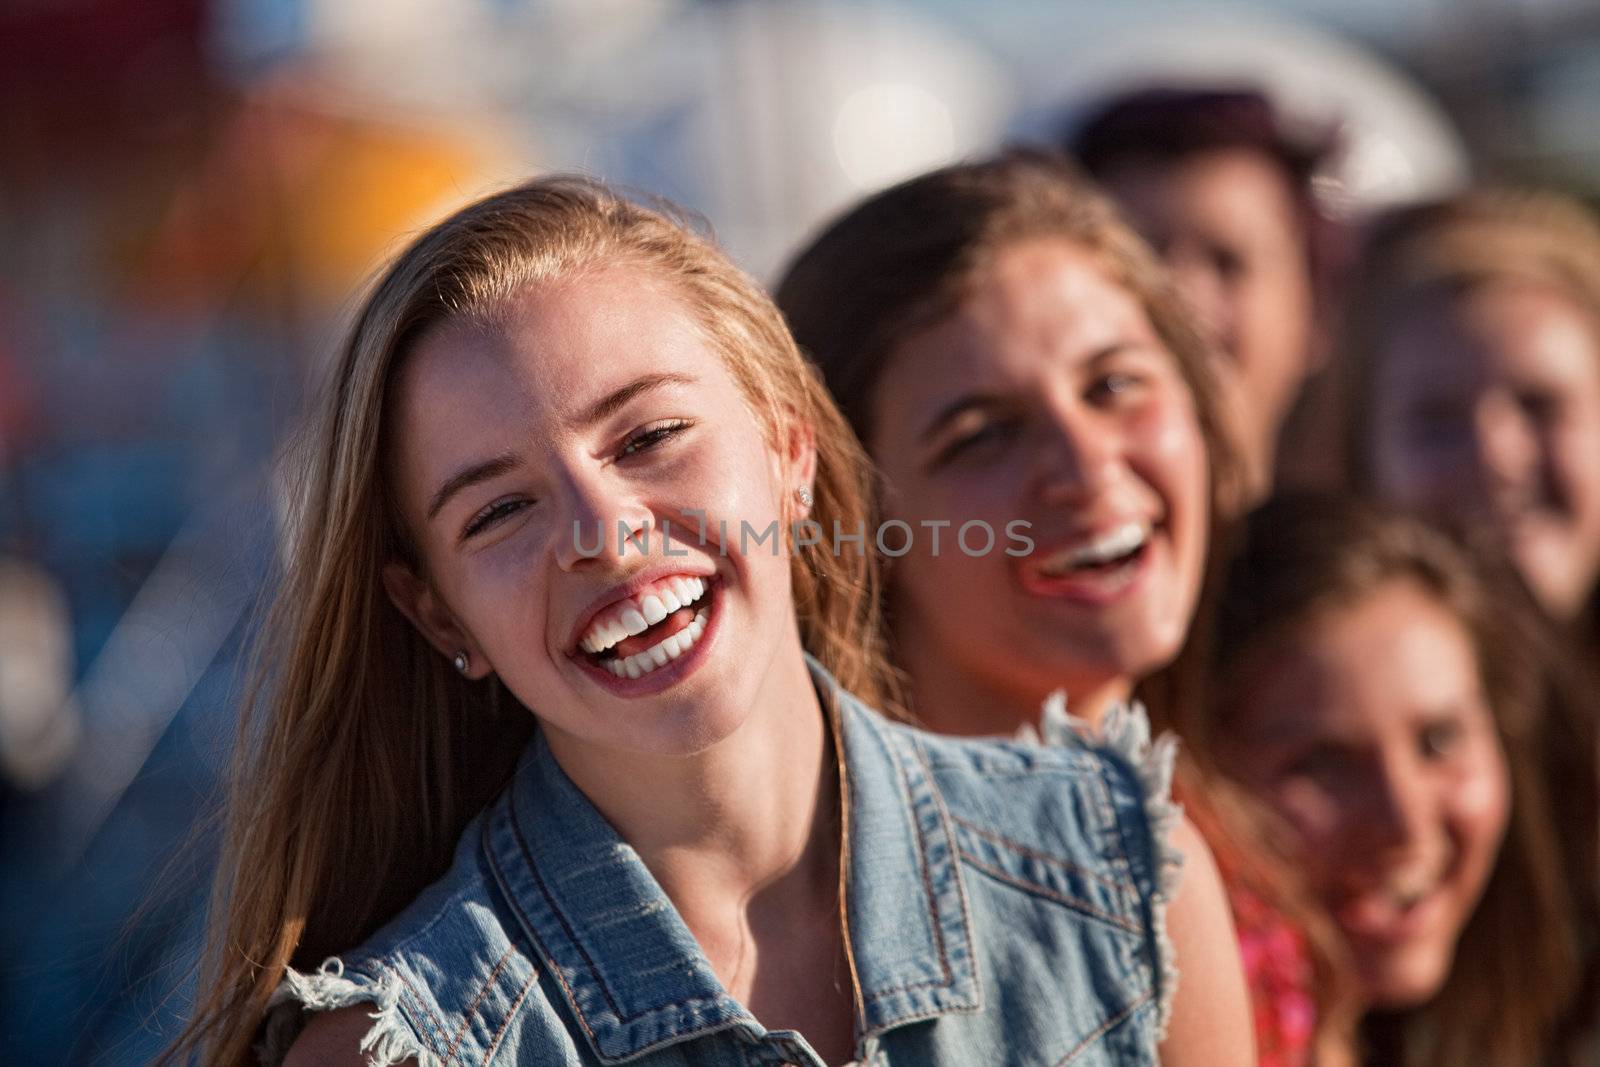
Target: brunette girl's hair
pixel 1518 963
pixel 361 753
pixel 904 259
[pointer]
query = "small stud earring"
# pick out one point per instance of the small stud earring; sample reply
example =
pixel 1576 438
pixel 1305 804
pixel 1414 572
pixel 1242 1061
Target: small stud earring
pixel 463 662
pixel 805 496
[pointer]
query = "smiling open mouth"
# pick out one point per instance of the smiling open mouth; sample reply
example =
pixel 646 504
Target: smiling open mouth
pixel 645 632
pixel 1112 551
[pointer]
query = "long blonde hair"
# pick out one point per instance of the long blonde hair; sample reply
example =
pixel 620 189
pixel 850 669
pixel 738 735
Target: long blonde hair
pixel 361 754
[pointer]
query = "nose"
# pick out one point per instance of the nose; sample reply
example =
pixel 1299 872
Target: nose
pixel 602 522
pixel 1401 816
pixel 1506 447
pixel 1079 452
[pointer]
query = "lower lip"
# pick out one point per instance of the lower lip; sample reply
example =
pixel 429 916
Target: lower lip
pixel 675 671
pixel 1095 590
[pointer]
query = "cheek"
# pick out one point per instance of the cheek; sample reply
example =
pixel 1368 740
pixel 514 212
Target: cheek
pixel 1479 805
pixel 1168 446
pixel 1169 455
pixel 1572 453
pixel 990 491
pixel 1315 815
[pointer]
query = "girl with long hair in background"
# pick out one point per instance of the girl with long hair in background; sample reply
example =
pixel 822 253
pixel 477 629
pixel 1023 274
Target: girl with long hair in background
pixel 1382 690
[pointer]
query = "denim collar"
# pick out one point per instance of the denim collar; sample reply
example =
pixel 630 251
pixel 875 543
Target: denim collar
pixel 627 966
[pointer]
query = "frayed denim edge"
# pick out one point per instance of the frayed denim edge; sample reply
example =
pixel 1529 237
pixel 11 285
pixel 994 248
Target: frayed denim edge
pixel 389 1041
pixel 1125 731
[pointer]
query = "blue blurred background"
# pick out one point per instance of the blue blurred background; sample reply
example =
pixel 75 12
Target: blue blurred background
pixel 191 191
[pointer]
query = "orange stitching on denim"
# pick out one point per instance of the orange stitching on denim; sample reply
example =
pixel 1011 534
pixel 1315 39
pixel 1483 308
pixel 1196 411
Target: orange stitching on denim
pixel 418 997
pixel 1051 894
pixel 1017 846
pixel 1102 1028
pixel 927 888
pixel 511 1013
pixel 466 1016
pixel 955 848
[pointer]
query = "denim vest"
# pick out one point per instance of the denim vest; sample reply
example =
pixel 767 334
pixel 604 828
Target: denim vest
pixel 1004 901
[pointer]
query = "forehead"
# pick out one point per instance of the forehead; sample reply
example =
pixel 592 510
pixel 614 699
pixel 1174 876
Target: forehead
pixel 1507 332
pixel 1236 191
pixel 1366 667
pixel 1036 303
pixel 553 348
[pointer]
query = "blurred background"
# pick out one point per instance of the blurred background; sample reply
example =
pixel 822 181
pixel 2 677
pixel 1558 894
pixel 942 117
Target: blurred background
pixel 192 191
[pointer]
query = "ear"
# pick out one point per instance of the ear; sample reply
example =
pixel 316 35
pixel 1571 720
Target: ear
pixel 416 600
pixel 797 455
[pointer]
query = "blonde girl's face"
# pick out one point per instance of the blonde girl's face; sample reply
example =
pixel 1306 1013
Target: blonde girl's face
pixel 1367 728
pixel 519 447
pixel 1047 399
pixel 1486 410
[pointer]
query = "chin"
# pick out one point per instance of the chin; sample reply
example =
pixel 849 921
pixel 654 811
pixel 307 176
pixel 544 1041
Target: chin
pixel 1403 985
pixel 1143 648
pixel 680 729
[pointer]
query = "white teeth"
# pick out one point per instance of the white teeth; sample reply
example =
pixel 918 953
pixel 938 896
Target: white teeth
pixel 660 654
pixel 635 617
pixel 1108 546
pixel 654 610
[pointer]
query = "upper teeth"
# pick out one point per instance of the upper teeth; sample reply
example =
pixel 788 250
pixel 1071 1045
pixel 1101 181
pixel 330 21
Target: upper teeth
pixel 660 653
pixel 637 614
pixel 1108 546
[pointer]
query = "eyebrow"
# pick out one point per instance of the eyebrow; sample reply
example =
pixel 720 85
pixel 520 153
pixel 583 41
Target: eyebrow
pixel 613 402
pixel 470 476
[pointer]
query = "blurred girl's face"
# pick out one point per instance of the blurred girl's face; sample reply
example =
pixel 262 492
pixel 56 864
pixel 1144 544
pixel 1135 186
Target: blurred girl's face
pixel 1046 398
pixel 1486 409
pixel 1367 728
pixel 591 402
